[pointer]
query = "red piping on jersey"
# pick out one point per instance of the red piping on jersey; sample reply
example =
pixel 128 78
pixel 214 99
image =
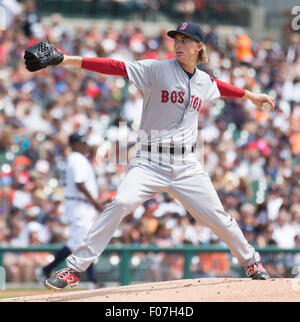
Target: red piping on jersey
pixel 115 67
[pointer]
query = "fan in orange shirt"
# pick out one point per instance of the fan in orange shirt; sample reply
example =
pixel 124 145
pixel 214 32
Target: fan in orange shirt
pixel 215 264
pixel 295 143
pixel 243 50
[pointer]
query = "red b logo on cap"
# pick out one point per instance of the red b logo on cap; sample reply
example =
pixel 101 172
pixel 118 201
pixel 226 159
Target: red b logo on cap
pixel 183 26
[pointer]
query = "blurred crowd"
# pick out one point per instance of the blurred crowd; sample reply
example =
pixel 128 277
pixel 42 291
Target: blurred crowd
pixel 252 156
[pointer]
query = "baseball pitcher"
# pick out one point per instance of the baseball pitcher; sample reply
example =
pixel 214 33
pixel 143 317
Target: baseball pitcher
pixel 173 91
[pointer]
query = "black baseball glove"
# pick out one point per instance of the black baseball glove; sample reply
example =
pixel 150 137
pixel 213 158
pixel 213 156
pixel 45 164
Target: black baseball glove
pixel 41 55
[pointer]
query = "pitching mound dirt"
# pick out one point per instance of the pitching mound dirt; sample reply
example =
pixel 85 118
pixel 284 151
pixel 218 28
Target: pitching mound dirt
pixel 192 290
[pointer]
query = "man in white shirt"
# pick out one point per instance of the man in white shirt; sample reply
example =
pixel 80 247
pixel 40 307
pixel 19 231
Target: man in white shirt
pixel 81 205
pixel 284 233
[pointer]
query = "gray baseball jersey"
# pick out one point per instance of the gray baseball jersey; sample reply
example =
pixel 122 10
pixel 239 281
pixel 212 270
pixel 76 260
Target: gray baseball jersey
pixel 172 101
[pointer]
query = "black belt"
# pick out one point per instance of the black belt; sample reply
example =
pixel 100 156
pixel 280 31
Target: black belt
pixel 168 149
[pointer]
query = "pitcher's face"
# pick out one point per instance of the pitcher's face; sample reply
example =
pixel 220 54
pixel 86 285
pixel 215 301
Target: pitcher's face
pixel 187 49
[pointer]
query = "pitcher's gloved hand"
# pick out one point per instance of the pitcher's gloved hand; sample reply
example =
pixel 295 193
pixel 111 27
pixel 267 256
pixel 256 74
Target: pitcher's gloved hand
pixel 41 55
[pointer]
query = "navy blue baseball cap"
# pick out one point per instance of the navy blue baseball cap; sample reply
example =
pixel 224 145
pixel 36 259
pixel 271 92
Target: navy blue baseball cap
pixel 189 29
pixel 77 137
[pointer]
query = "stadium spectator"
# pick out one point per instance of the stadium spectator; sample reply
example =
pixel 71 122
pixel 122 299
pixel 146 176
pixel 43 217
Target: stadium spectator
pixel 214 264
pixel 284 232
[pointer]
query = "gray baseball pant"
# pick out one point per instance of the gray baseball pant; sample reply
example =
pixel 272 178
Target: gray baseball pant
pixel 189 184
